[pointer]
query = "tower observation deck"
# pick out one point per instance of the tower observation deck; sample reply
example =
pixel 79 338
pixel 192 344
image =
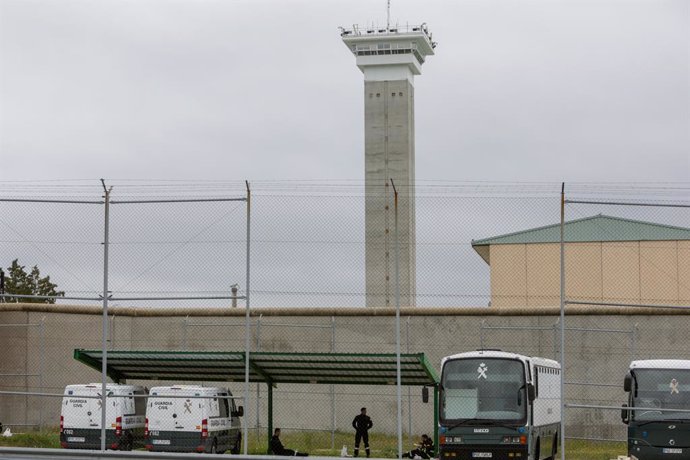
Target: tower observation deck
pixel 389 58
pixel 389 54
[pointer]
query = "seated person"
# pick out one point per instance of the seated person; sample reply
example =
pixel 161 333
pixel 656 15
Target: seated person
pixel 425 449
pixel 278 449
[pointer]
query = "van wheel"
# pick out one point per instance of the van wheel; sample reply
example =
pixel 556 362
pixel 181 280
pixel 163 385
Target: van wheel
pixel 127 442
pixel 238 445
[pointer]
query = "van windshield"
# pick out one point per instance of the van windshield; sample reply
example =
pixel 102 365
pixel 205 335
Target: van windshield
pixel 486 389
pixel 660 389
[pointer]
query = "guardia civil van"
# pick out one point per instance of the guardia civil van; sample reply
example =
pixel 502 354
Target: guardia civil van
pixel 191 418
pixel 80 416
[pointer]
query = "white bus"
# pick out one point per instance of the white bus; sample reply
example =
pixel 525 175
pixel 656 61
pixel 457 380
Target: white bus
pixel 658 416
pixel 80 416
pixel 499 405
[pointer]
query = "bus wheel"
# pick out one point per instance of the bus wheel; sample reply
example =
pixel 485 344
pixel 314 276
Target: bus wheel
pixel 238 445
pixel 214 446
pixel 554 449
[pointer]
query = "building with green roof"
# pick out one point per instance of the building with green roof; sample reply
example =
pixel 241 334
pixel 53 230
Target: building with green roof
pixel 608 259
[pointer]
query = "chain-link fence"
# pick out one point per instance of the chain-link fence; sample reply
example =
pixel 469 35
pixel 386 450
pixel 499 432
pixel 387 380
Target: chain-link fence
pixel 481 268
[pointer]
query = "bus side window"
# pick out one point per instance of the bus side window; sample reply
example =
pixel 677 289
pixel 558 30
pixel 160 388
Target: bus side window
pixel 536 381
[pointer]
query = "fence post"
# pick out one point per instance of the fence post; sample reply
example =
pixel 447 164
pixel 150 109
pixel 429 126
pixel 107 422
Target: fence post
pixel 555 339
pixel 562 302
pixel 633 343
pixel 409 390
pixel 112 332
pixel 184 332
pixel 481 334
pixel 42 370
pixel 247 325
pixel 397 324
pixel 104 365
pixel 258 385
pixel 333 414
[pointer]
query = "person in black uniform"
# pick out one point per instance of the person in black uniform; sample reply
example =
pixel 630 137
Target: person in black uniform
pixel 425 449
pixel 361 424
pixel 277 447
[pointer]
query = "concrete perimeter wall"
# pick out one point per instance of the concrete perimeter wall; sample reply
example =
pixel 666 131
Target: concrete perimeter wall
pixel 599 347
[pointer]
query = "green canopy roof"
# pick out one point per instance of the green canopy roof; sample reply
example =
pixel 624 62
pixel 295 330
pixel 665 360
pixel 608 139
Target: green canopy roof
pixel 265 367
pixel 590 229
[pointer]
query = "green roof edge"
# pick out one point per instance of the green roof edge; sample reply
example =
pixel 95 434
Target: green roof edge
pixel 487 241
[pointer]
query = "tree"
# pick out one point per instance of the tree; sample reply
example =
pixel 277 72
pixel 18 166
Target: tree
pixel 19 282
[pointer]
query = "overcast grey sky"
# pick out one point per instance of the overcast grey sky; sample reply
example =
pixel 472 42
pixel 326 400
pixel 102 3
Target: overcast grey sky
pixel 545 90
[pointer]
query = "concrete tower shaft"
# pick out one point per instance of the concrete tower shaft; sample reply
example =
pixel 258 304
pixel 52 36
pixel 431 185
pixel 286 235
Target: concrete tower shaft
pixel 389 60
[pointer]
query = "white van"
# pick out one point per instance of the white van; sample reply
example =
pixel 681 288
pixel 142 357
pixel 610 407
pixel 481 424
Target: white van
pixel 80 416
pixel 190 418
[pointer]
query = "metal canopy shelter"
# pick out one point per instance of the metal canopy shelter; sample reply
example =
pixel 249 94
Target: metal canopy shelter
pixel 266 367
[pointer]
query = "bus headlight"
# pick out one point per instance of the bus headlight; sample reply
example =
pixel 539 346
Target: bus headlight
pixel 514 439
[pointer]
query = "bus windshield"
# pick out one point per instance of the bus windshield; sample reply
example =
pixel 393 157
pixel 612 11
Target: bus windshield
pixel 483 389
pixel 659 389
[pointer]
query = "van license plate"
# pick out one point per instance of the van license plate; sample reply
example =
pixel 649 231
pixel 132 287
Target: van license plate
pixel 669 450
pixel 76 439
pixel 482 455
pixel 165 442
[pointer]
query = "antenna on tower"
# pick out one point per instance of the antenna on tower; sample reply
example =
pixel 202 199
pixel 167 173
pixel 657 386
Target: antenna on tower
pixel 388 15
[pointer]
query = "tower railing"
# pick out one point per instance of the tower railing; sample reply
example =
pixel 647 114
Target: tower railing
pixel 393 30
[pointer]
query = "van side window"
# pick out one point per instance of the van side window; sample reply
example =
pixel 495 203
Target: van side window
pixel 224 407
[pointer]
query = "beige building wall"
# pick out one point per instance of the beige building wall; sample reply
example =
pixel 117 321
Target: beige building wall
pixel 621 272
pixel 684 269
pixel 647 272
pixel 659 272
pixel 508 280
pixel 584 271
pixel 543 275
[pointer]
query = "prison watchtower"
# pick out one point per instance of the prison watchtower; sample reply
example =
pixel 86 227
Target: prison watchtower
pixel 389 58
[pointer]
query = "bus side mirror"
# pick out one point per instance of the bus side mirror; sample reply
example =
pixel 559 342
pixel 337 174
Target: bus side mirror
pixel 239 412
pixel 531 393
pixel 625 414
pixel 627 383
pixel 425 395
